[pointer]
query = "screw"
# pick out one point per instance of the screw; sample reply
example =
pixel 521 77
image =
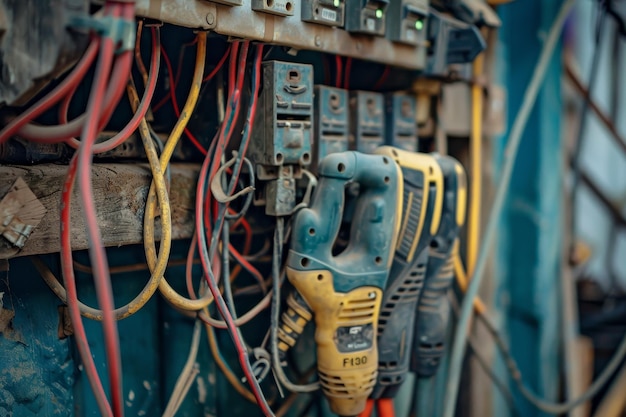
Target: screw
pixel 210 18
pixel 318 41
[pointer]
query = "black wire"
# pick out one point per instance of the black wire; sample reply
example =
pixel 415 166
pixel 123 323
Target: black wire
pixel 582 122
pixel 500 385
pixel 228 291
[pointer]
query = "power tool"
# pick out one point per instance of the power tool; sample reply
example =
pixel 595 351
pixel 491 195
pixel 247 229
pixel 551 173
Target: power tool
pixel 421 208
pixel 434 309
pixel 344 292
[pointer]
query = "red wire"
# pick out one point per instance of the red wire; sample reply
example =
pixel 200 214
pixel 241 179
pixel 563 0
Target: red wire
pixel 382 78
pixel 346 77
pixel 97 111
pixel 68 85
pixel 142 109
pixel 219 300
pixel 72 295
pixel 338 66
pixel 62 132
pixel 219 65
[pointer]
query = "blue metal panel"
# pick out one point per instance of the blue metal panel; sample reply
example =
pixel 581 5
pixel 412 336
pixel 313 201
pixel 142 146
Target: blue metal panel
pixel 36 367
pixel 530 241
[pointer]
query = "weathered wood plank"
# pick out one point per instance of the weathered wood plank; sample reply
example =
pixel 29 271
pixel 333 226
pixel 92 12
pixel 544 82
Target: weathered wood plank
pixel 120 192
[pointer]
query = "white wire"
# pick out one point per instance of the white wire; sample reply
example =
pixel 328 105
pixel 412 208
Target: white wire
pixel 460 336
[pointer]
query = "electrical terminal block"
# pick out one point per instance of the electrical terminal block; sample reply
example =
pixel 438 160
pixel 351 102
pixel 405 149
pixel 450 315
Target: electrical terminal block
pixel 400 121
pixel 366 16
pixel 277 7
pixel 324 12
pixel 367 120
pixel 406 21
pixel 331 122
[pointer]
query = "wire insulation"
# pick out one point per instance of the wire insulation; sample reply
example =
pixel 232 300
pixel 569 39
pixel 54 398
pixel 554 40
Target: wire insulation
pixel 456 358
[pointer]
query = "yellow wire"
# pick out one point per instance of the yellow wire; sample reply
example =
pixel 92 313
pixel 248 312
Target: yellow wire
pixel 157 272
pixel 228 373
pixel 149 239
pixel 473 227
pixel 461 279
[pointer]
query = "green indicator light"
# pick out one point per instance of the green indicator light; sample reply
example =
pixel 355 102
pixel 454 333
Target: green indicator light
pixel 336 3
pixel 379 13
pixel 419 24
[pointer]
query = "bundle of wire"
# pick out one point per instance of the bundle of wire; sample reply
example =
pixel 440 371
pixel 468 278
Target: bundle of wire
pixel 209 169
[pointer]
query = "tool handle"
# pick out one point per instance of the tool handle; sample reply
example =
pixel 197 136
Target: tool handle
pixel 292 323
pixel 433 314
pixel 396 325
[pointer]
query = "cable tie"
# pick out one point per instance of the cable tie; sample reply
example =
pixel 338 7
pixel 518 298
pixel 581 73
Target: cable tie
pixel 121 31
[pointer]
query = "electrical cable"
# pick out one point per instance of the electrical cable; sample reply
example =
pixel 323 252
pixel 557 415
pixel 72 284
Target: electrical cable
pixel 338 69
pixel 187 375
pixel 512 368
pixel 226 370
pixel 206 254
pixel 347 75
pixel 542 404
pixel 381 81
pixel 177 111
pixel 80 336
pixel 66 87
pixel 95 112
pixel 154 195
pixel 456 358
pixel 275 315
pixel 500 385
pixel 476 149
pixel 149 289
pixel 140 111
pixel 110 98
pixel 138 59
pixel 82 162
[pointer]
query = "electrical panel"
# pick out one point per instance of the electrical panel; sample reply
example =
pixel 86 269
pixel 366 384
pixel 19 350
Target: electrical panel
pixel 406 21
pixel 277 7
pixel 400 122
pixel 367 120
pixel 324 12
pixel 331 122
pixel 281 140
pixel 366 16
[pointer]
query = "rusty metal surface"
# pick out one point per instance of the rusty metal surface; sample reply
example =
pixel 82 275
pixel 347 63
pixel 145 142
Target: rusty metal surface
pixel 243 22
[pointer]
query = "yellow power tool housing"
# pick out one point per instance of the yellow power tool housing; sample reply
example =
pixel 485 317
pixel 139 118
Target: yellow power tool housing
pixel 420 213
pixel 344 292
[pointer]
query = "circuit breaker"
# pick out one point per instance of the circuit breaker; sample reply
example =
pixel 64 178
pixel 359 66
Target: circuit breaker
pixel 400 122
pixel 366 16
pixel 406 21
pixel 367 120
pixel 324 12
pixel 281 139
pixel 331 122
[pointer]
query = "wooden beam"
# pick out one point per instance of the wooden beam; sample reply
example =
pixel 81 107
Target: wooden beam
pixel 120 192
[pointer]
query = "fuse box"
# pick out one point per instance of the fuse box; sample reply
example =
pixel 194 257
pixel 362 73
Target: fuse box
pixel 366 16
pixel 401 127
pixel 282 127
pixel 406 21
pixel 331 122
pixel 367 120
pixel 324 12
pixel 281 139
